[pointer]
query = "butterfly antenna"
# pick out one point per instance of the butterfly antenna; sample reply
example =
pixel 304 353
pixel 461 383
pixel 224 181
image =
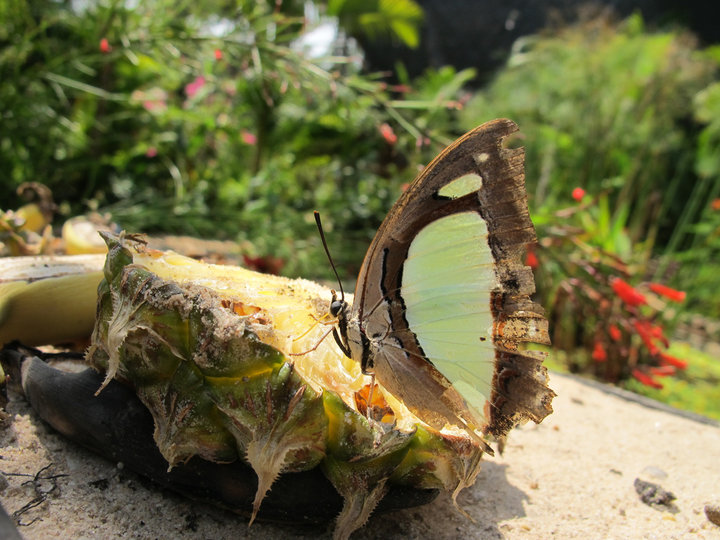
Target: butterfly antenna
pixel 327 252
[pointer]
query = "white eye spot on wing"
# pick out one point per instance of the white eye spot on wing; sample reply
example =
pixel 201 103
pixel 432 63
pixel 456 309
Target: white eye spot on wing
pixel 482 157
pixel 470 183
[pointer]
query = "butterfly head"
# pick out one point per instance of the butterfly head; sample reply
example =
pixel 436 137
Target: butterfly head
pixel 337 307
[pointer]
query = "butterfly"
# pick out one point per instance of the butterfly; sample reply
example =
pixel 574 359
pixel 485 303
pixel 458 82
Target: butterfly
pixel 441 306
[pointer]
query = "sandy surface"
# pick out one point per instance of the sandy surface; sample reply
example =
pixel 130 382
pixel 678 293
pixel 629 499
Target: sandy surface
pixel 570 477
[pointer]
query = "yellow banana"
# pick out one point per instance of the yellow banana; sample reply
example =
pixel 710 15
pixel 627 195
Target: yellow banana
pixel 48 299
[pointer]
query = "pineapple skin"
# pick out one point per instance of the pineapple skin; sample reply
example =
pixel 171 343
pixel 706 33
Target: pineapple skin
pixel 208 367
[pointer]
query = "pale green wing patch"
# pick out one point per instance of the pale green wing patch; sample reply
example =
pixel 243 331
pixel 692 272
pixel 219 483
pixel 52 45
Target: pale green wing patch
pixel 447 280
pixel 470 183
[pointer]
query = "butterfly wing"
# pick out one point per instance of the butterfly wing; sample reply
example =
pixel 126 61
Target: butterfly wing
pixel 444 294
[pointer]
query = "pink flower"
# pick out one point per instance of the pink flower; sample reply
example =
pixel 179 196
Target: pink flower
pixel 154 105
pixel 195 86
pixel 627 293
pixel 105 46
pixel 218 54
pixel 153 100
pixel 422 141
pixel 151 152
pixel 667 292
pixel 248 138
pixel 578 193
pixel 401 88
pixel 388 134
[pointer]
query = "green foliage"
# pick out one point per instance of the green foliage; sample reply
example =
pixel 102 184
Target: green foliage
pixel 399 19
pixel 693 244
pixel 582 266
pixel 208 119
pixel 606 108
pixel 696 389
pixel 632 118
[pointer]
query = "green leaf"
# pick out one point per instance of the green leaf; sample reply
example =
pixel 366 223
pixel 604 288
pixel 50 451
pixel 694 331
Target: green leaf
pixel 407 32
pixel 399 19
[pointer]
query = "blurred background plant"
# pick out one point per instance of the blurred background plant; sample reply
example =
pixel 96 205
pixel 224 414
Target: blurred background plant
pixel 583 265
pixel 619 110
pixel 623 121
pixel 212 119
pixel 236 120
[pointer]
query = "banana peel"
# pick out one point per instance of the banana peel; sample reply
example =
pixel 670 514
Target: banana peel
pixel 48 299
pixel 80 236
pixel 33 218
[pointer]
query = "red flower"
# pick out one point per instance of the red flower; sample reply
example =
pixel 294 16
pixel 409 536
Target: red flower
pixel 656 332
pixel 388 134
pixel 667 292
pixel 662 371
pixel 266 264
pixel 151 152
pixel 105 46
pixel 667 360
pixel 644 330
pixel 578 193
pixel 627 293
pixel 646 379
pixel 531 260
pixel 218 54
pixel 715 204
pixel 599 354
pixel 614 332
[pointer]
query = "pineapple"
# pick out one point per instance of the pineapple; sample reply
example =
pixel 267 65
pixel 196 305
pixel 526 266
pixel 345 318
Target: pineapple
pixel 234 364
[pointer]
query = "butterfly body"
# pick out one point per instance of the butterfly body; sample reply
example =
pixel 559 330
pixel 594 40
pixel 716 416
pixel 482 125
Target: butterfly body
pixel 442 299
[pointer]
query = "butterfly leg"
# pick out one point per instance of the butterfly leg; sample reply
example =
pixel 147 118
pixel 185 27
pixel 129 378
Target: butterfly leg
pixel 326 334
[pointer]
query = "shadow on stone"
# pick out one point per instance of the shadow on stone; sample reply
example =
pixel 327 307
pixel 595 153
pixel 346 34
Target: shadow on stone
pixel 490 501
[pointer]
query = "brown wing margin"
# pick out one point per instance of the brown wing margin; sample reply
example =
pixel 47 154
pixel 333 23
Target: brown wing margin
pixel 520 389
